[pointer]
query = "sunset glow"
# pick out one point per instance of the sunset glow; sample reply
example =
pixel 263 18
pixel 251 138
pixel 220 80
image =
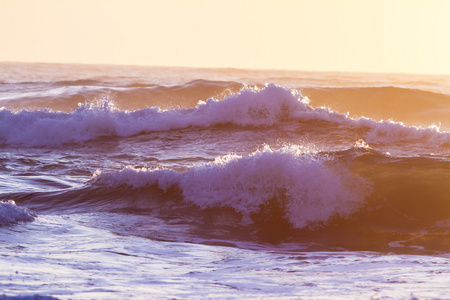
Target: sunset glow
pixel 326 35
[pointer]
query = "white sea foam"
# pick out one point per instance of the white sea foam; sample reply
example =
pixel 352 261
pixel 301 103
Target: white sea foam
pixel 10 213
pixel 249 107
pixel 309 187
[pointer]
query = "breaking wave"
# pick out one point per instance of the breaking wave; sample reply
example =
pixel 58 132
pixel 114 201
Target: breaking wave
pixel 307 188
pixel 250 107
pixel 357 197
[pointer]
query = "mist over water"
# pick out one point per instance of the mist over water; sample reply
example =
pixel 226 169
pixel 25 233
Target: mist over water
pixel 176 164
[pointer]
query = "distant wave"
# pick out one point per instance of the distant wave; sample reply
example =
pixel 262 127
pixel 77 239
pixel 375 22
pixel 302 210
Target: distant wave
pixel 411 106
pixel 250 107
pixel 65 95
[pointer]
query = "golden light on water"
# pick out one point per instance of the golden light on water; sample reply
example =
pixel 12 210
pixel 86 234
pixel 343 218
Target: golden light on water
pixel 326 35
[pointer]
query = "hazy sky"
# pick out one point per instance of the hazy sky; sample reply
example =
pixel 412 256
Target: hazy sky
pixel 410 36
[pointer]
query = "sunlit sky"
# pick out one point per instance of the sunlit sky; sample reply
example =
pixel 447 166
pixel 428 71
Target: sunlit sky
pixel 407 36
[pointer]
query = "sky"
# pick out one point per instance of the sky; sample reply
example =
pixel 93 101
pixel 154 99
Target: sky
pixel 401 36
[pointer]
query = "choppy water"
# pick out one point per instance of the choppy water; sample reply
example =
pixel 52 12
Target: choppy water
pixel 144 182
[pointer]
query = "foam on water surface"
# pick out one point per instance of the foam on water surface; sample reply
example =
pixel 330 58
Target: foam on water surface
pixel 65 257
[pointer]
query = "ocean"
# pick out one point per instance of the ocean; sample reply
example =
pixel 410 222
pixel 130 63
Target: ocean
pixel 179 183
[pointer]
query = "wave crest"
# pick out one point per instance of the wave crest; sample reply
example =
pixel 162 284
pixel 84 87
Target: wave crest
pixel 308 188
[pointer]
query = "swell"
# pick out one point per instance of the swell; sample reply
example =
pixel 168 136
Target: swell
pixel 66 95
pixel 410 106
pixel 251 106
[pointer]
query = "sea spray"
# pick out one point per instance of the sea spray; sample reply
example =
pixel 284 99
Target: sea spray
pixel 10 213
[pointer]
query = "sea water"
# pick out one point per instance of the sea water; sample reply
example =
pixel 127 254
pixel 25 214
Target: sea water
pixel 151 182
